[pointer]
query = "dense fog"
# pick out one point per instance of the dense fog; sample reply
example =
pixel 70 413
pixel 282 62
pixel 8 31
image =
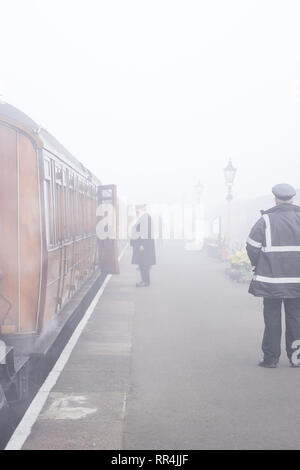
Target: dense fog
pixel 139 140
pixel 154 96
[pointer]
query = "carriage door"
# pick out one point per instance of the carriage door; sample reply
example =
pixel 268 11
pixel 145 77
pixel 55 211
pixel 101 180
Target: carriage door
pixel 107 223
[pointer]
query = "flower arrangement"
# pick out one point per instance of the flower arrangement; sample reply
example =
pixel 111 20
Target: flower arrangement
pixel 239 269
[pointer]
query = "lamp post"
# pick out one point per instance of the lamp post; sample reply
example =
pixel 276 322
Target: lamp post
pixel 229 173
pixel 197 221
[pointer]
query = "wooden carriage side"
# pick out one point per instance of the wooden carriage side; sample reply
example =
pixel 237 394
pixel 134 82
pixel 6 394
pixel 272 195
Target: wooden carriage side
pixel 20 232
pixel 70 201
pixel 48 244
pixel 48 241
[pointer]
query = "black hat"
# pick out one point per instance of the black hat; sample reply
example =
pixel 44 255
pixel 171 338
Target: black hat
pixel 284 191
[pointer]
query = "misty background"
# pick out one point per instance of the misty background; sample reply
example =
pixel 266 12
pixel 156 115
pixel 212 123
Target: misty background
pixel 156 95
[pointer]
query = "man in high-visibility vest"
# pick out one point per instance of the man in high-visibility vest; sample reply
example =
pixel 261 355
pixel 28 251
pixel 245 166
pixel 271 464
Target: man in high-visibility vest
pixel 273 247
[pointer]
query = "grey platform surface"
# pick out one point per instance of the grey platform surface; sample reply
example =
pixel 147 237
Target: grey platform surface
pixel 172 366
pixel 86 408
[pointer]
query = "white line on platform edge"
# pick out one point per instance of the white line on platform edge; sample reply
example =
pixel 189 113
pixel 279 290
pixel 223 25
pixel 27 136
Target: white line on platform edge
pixel 23 429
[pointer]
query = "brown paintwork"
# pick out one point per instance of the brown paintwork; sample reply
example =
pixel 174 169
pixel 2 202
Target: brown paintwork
pixel 44 244
pixel 52 284
pixel 14 125
pixel 9 221
pixel 26 262
pixel 50 304
pixel 30 235
pixel 20 249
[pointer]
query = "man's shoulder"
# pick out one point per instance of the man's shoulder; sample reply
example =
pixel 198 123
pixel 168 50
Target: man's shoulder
pixel 260 221
pixel 258 228
pixel 281 208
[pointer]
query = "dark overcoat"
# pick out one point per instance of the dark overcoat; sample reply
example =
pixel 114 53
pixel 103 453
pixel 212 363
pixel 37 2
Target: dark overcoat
pixel 142 236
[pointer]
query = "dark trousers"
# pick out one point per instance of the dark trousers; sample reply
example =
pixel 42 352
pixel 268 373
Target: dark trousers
pixel 272 335
pixel 145 273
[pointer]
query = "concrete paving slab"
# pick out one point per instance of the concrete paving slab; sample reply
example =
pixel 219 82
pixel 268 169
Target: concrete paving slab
pixel 86 407
pixel 103 347
pixel 86 435
pixel 70 406
pixel 110 306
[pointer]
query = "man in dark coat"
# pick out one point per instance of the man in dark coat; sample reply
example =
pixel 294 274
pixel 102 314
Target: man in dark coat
pixel 143 246
pixel 273 247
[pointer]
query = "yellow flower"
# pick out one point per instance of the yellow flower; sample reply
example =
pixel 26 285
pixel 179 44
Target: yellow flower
pixel 240 258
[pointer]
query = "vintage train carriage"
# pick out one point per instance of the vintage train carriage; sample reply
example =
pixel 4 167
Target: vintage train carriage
pixel 48 244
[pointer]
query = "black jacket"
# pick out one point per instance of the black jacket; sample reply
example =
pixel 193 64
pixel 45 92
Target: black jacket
pixel 142 236
pixel 273 247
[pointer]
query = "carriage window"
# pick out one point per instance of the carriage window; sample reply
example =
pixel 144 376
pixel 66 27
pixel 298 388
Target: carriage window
pixel 66 205
pixel 76 208
pixel 48 203
pixel 93 208
pixel 88 211
pixel 59 202
pixel 84 208
pixel 71 205
pixel 80 208
pixel 47 169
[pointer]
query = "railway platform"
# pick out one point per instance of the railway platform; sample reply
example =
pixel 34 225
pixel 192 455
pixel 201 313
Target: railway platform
pixel 172 366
